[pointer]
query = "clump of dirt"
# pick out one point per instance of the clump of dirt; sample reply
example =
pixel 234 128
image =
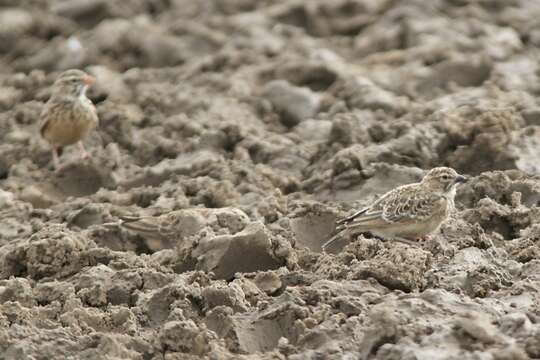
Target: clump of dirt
pixel 232 136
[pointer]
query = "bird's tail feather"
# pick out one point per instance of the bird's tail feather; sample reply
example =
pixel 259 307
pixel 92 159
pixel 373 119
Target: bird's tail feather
pixel 338 241
pixel 331 241
pixel 342 237
pixel 352 217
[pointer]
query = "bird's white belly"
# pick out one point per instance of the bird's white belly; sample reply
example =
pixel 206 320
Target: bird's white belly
pixel 409 231
pixel 412 230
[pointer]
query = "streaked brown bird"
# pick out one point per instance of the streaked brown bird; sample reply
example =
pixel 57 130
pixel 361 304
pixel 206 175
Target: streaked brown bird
pixel 409 212
pixel 68 115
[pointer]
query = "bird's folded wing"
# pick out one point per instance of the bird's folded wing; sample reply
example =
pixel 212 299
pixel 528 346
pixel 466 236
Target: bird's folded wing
pixel 44 120
pixel 51 111
pixel 415 206
pixel 55 108
pixel 399 207
pixel 151 226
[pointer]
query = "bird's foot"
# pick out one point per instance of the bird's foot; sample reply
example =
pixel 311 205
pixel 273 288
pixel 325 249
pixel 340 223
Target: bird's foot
pixel 56 161
pixel 84 154
pixel 58 168
pixel 423 238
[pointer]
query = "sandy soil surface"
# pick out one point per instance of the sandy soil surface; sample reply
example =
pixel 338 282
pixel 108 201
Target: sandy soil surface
pixel 260 123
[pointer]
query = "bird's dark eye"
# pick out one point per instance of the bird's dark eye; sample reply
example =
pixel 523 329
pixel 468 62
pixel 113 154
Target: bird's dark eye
pixel 446 177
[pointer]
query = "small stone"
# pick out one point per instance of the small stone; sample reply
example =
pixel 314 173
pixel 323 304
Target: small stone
pixel 247 251
pixel 295 104
pixel 269 282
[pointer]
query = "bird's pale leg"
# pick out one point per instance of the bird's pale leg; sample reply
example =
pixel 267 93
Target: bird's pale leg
pixel 56 161
pixel 84 154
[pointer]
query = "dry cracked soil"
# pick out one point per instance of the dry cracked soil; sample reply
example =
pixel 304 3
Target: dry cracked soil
pixel 259 123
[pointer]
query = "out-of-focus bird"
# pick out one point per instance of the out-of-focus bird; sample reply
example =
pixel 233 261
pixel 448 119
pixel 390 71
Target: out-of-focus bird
pixel 68 115
pixel 408 212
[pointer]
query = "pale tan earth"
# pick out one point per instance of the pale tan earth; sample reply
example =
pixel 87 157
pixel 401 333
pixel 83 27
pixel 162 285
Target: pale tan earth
pixel 264 121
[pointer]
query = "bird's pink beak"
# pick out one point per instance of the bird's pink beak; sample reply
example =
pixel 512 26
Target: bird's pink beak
pixel 89 80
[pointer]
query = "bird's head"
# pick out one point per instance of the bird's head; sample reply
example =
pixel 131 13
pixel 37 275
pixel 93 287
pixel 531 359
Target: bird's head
pixel 73 82
pixel 443 179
